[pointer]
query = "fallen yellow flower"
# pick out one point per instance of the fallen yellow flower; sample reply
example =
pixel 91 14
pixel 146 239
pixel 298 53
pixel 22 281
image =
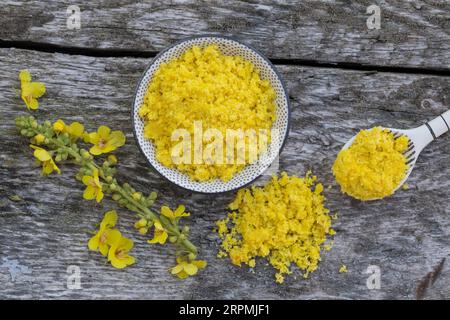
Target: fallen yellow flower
pixel 104 140
pixel 179 212
pixel 93 187
pixel 118 252
pixel 186 268
pixel 99 242
pixel 30 91
pixel 160 235
pixel 44 157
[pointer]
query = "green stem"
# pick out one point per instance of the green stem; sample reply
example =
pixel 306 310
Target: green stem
pixel 150 215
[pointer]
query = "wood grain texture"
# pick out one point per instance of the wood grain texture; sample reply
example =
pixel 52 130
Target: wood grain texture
pixel 47 229
pixel 413 33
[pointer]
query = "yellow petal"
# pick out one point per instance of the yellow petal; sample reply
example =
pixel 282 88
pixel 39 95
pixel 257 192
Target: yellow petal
pixel 95 150
pixel 89 193
pixel 116 139
pixel 199 263
pixel 94 242
pixel 103 132
pixel 117 263
pixel 55 167
pixel 165 211
pixel 141 223
pixel 41 154
pixel 122 263
pixel 86 180
pixel 94 138
pixel 86 137
pixel 47 167
pixel 103 248
pixel 37 89
pixel 128 260
pixel 113 238
pixel 163 237
pixel 179 211
pixel 158 225
pixel 31 103
pixel 190 269
pixel 107 148
pixel 99 195
pixel 110 219
pixel 126 244
pixel 76 129
pixel 182 275
pixel 178 268
pixel 59 125
pixel 25 76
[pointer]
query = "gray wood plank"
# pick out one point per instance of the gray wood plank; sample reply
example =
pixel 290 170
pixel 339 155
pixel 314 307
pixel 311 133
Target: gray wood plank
pixel 406 235
pixel 413 33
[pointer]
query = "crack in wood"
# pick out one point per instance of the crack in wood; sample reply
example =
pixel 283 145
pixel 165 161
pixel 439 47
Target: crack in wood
pixel 123 53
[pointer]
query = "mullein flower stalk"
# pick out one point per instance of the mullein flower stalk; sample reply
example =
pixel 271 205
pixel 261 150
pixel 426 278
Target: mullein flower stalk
pixel 62 145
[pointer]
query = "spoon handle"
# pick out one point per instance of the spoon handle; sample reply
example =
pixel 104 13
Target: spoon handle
pixel 429 131
pixel 439 125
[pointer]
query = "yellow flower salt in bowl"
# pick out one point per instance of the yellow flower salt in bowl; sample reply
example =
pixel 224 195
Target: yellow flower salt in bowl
pixel 373 165
pixel 207 84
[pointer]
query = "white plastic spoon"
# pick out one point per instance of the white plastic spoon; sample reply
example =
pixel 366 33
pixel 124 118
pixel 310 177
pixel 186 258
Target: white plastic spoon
pixel 419 138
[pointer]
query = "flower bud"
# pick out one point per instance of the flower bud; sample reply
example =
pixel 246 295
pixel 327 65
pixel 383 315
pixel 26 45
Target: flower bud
pixel 137 196
pixel 185 229
pixel 113 187
pixel 58 126
pixel 85 154
pixel 115 196
pixel 109 179
pixel 143 231
pixel 112 159
pixel 39 138
pixel 173 239
pixel 141 223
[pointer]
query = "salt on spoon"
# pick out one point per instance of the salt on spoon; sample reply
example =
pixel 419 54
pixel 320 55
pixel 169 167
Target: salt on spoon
pixel 419 138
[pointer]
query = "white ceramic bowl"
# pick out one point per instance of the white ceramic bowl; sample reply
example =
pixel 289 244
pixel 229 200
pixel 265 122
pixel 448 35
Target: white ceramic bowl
pixel 250 172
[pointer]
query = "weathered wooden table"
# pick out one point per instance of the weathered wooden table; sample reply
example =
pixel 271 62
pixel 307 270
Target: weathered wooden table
pixel 341 76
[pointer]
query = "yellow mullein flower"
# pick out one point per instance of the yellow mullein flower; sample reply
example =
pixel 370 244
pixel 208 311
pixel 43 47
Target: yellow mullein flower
pixel 142 226
pixel 59 125
pixel 48 165
pixel 93 187
pixel 30 91
pixel 179 212
pixel 99 241
pixel 118 252
pixel 105 141
pixel 185 269
pixel 160 235
pixel 75 129
pixel 39 138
